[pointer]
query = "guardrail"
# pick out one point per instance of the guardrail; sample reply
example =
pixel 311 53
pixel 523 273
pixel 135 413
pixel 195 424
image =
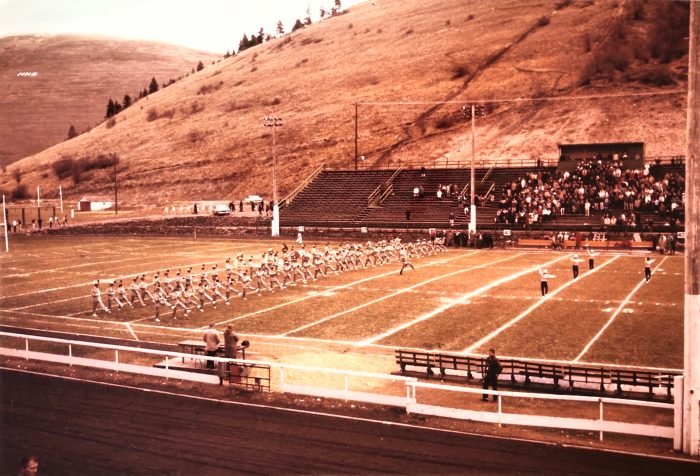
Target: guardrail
pixel 409 401
pixel 500 417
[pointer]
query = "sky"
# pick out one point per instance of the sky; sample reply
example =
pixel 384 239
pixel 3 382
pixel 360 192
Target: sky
pixel 209 25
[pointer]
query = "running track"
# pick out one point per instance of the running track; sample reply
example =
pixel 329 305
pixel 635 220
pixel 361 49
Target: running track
pixel 85 428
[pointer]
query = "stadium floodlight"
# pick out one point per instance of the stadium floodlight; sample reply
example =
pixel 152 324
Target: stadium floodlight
pixel 273 123
pixel 470 111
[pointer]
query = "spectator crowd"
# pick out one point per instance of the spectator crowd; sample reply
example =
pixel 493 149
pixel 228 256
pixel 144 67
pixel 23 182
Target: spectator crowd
pixel 619 195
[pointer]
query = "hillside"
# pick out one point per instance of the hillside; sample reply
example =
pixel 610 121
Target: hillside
pixel 203 136
pixel 75 78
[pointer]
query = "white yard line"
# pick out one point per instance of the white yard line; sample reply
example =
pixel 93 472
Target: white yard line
pixel 460 300
pixel 336 288
pixel 529 310
pixel 132 331
pixel 615 314
pixel 396 293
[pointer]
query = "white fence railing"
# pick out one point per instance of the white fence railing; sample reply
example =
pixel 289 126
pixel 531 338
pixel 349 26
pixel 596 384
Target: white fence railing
pixel 500 417
pixel 410 385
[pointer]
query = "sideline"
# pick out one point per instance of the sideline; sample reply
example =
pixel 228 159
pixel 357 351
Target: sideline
pixel 453 303
pixel 615 314
pixel 350 418
pixel 396 293
pixel 529 310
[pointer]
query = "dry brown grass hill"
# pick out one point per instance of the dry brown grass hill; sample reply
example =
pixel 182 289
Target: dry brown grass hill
pixel 203 136
pixel 76 76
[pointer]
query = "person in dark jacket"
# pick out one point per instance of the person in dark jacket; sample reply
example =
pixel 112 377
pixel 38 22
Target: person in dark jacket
pixel 493 370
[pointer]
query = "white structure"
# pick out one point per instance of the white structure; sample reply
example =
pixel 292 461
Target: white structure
pixel 94 204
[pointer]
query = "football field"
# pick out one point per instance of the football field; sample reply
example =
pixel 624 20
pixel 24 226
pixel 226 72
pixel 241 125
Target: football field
pixel 462 300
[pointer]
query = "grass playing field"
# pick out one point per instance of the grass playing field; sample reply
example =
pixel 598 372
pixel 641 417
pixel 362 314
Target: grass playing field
pixel 459 301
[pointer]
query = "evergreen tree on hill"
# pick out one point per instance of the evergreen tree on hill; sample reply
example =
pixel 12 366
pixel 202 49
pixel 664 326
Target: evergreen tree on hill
pixel 200 66
pixel 307 20
pixel 297 25
pixel 244 44
pixel 280 28
pixel 110 109
pixel 72 132
pixel 127 101
pixel 153 87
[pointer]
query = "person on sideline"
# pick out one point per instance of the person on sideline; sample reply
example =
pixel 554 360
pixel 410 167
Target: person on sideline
pixel 491 373
pixel 211 341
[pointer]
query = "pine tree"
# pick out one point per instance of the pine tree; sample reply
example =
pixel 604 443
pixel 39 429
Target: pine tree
pixel 200 66
pixel 261 36
pixel 153 87
pixel 72 132
pixel 110 109
pixel 322 12
pixel 244 44
pixel 297 25
pixel 127 101
pixel 144 92
pixel 227 55
pixel 280 28
pixel 307 20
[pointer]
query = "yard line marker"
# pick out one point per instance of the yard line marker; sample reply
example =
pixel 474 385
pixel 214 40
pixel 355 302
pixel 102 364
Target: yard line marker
pixel 460 300
pixel 615 314
pixel 396 293
pixel 336 288
pixel 537 304
pixel 132 331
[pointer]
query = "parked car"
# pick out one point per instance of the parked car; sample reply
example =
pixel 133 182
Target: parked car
pixel 253 199
pixel 221 210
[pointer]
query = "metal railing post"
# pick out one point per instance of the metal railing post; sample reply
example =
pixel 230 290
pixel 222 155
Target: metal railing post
pixel 601 418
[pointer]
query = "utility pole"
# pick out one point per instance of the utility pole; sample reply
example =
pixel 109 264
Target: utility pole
pixel 356 151
pixel 274 123
pixel 4 214
pixel 690 393
pixel 115 159
pixel 470 112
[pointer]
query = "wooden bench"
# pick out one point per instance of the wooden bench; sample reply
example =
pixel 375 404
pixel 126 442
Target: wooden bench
pixel 540 243
pixel 637 378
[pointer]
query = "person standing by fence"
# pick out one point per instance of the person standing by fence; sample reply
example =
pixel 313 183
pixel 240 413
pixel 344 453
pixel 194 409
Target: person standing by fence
pixel 491 372
pixel 211 341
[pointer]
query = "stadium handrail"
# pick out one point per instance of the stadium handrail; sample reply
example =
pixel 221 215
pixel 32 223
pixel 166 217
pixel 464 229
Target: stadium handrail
pixel 292 195
pixel 380 191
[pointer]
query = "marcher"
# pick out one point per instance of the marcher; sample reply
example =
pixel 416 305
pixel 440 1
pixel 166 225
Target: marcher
pixel 647 268
pixel 405 260
pixel 574 265
pixel 211 341
pixel 97 300
pixel 491 373
pixel 544 276
pixel 591 254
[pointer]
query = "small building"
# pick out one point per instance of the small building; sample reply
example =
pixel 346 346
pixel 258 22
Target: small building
pixel 94 204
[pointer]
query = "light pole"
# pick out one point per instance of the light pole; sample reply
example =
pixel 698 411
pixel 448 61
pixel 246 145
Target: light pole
pixel 274 122
pixel 470 112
